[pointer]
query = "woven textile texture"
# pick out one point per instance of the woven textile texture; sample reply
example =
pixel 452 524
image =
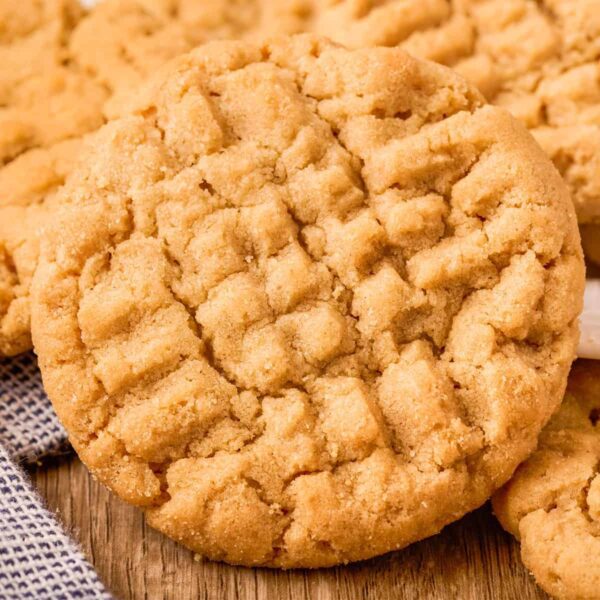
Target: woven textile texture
pixel 37 558
pixel 28 426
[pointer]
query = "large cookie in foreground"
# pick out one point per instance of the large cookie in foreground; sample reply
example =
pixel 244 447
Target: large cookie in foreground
pixel 307 305
pixel 553 502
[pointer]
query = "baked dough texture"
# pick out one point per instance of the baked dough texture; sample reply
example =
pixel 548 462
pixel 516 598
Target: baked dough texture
pixel 307 305
pixel 63 74
pixel 540 59
pixel 552 504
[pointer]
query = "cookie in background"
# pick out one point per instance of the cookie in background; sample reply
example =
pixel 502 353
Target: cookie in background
pixel 52 97
pixel 552 504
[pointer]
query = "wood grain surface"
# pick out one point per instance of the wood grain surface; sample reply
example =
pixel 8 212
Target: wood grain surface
pixel 470 560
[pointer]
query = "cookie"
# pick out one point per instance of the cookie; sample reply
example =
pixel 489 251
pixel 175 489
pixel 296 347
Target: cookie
pixel 63 74
pixel 307 305
pixel 552 504
pixel 538 59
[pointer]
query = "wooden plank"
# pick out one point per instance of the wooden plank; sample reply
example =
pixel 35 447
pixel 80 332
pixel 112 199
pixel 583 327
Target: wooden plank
pixel 470 560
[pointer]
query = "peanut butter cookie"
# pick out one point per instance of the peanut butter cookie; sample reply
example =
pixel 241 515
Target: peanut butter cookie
pixel 552 504
pixel 307 305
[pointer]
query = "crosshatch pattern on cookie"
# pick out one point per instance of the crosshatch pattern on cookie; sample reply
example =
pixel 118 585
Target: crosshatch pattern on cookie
pixel 307 305
pixel 553 502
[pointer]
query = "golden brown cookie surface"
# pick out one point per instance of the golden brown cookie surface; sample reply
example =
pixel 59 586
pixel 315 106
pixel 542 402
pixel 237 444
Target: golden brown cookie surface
pixel 539 59
pixel 307 305
pixel 553 502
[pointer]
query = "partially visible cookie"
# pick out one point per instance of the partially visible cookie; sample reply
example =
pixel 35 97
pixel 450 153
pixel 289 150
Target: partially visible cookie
pixel 538 58
pixel 124 41
pixel 121 42
pixel 43 102
pixel 63 73
pixel 552 504
pixel 306 305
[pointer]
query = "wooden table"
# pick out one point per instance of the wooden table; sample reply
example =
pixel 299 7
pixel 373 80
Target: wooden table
pixel 473 559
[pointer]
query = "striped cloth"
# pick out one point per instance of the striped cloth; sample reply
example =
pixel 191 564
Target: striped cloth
pixel 37 559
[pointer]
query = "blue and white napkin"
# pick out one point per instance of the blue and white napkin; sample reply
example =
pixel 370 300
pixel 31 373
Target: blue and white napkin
pixel 37 559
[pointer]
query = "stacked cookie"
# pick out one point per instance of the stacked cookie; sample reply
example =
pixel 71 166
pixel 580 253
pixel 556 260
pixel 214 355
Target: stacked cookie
pixel 304 303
